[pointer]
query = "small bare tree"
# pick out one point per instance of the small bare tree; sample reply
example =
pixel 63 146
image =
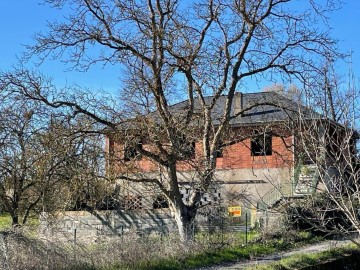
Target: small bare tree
pixel 43 164
pixel 329 145
pixel 197 51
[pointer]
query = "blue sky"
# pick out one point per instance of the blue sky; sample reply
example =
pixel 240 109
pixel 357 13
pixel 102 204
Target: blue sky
pixel 20 19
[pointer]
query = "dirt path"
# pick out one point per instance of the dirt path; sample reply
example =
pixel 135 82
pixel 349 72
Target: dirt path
pixel 323 246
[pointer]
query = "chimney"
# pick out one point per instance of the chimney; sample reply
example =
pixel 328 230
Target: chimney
pixel 238 102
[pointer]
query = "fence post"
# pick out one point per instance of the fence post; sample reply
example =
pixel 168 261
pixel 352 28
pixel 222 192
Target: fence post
pixel 246 228
pixel 75 228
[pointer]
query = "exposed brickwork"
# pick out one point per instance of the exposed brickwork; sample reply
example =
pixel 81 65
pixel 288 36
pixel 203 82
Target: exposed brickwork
pixel 236 156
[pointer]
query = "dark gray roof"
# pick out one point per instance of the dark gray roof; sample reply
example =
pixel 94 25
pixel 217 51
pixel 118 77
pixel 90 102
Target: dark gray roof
pixel 265 107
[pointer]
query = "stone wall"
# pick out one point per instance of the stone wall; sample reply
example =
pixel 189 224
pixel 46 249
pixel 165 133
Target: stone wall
pixel 82 224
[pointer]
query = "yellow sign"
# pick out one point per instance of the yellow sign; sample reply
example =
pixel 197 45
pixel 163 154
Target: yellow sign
pixel 234 211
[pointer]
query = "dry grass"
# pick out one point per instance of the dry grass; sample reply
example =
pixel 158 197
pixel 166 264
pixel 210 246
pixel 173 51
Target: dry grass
pixel 21 250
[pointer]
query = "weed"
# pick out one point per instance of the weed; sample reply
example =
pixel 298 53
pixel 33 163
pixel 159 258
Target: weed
pixel 133 251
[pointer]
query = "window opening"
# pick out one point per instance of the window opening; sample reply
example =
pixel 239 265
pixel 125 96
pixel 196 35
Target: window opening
pixel 160 202
pixel 131 152
pixel 220 150
pixel 186 148
pixel 261 144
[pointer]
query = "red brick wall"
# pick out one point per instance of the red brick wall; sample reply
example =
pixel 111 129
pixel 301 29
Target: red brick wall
pixel 237 156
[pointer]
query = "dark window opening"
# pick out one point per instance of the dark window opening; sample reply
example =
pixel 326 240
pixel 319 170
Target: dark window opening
pixel 219 151
pixel 108 203
pixel 160 202
pixel 131 152
pixel 261 145
pixel 186 148
pixel 189 150
pixel 111 147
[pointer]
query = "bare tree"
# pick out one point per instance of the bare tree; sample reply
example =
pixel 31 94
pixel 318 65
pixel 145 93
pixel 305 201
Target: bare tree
pixel 43 163
pixel 197 51
pixel 330 161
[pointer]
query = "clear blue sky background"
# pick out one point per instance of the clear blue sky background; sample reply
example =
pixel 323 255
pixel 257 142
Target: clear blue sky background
pixel 20 19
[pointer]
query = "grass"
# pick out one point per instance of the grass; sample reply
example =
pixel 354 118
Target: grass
pixel 30 228
pixel 5 222
pixel 229 254
pixel 150 253
pixel 300 261
pixel 242 252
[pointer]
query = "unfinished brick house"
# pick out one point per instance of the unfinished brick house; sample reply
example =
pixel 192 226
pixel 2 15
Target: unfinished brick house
pixel 271 153
pixel 259 164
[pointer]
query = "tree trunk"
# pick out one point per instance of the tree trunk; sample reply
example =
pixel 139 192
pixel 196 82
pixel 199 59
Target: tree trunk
pixel 14 212
pixel 15 220
pixel 184 218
